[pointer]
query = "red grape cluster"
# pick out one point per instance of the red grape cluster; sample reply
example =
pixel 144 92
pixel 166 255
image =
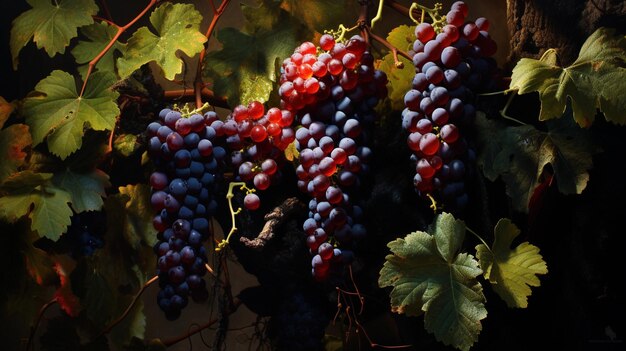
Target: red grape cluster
pixel 332 89
pixel 451 65
pixel 257 140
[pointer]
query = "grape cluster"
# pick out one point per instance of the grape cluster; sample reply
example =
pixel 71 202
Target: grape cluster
pixel 333 95
pixel 452 62
pixel 86 233
pixel 257 140
pixel 187 167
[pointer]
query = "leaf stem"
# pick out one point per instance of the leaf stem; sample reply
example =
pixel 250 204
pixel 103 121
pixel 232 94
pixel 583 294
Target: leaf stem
pixel 33 330
pixel 119 32
pixel 395 51
pixel 198 83
pixel 478 236
pixel 129 308
pixel 506 107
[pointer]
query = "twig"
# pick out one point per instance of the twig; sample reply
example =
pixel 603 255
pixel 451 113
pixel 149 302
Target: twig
pixel 198 83
pixel 273 220
pixel 119 32
pixel 207 94
pixel 39 316
pixel 200 328
pixel 394 50
pixel 105 6
pixel 399 7
pixel 129 308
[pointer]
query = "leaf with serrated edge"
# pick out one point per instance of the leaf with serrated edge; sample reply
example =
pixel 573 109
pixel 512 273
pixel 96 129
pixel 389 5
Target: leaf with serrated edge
pixel 250 54
pixel 430 276
pixel 594 80
pixel 98 37
pixel 13 140
pixel 177 30
pixel 24 181
pixel 126 144
pixel 51 26
pixel 511 272
pixel 87 190
pixel 520 154
pixel 399 79
pixel 58 114
pixel 50 215
pixel 138 213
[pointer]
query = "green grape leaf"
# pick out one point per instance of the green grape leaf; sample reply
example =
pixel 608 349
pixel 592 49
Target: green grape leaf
pixel 51 26
pixel 248 57
pixel 133 325
pixel 86 190
pixel 126 144
pixel 594 80
pixel 56 113
pixel 429 275
pixel 177 27
pixel 322 14
pixel 131 215
pixel 50 214
pixel 6 109
pixel 24 181
pixel 511 272
pixel 521 154
pixel 13 140
pixel 399 79
pixel 98 36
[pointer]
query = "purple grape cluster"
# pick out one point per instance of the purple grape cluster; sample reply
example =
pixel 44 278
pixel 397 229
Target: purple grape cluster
pixel 335 115
pixel 452 63
pixel 86 233
pixel 187 167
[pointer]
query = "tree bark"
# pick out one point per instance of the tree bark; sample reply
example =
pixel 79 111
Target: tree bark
pixel 538 25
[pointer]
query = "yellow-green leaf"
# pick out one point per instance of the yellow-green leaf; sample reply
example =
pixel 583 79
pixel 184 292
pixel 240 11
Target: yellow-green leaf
pixel 511 272
pixel 126 144
pixel 177 29
pixel 98 36
pixel 86 189
pixel 51 25
pixel 429 275
pixel 320 15
pixel 56 113
pixel 594 81
pixel 47 208
pixel 13 140
pixel 399 79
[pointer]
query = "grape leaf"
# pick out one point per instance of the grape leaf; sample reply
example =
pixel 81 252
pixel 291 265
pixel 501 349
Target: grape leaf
pixel 57 113
pixel 132 214
pixel 13 140
pixel 430 276
pixel 51 26
pixel 24 181
pixel 520 155
pixel 594 80
pixel 133 325
pixel 177 29
pixel 126 144
pixel 39 264
pixel 98 35
pixel 322 14
pixel 399 79
pixel 249 56
pixel 6 109
pixel 86 190
pixel 511 272
pixel 50 214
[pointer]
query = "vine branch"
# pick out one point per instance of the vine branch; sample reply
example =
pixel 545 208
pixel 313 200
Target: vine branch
pixel 205 92
pixel 129 308
pixel 119 32
pixel 33 330
pixel 198 85
pixel 200 328
pixel 273 220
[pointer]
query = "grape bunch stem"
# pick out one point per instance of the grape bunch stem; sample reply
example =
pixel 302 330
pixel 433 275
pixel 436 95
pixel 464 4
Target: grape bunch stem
pixel 233 212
